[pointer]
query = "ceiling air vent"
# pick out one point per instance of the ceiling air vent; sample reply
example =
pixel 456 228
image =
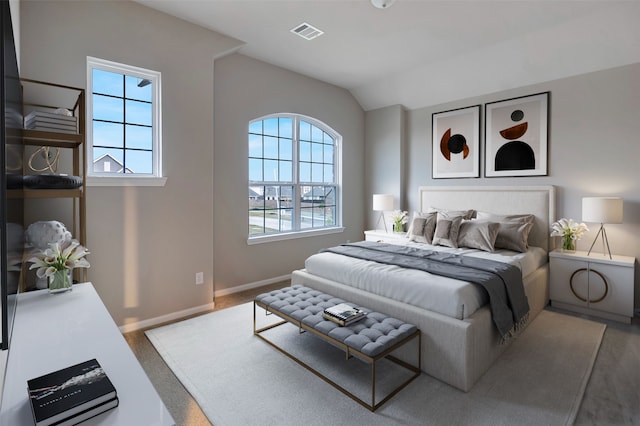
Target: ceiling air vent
pixel 307 31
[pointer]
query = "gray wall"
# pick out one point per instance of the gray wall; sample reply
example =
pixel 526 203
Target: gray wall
pixel 246 89
pixel 593 149
pixel 146 243
pixel 384 158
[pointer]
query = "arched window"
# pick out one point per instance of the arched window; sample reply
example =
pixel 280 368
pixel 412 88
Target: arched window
pixel 294 176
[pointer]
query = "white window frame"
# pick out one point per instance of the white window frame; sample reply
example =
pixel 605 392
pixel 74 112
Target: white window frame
pixel 110 179
pixel 303 233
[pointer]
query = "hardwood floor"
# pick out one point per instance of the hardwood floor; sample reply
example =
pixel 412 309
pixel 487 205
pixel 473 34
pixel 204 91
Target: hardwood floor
pixel 181 405
pixel 612 396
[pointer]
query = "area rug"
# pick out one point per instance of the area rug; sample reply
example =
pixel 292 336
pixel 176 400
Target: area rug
pixel 238 379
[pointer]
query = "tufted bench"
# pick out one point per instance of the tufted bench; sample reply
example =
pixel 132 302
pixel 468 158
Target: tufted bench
pixel 372 338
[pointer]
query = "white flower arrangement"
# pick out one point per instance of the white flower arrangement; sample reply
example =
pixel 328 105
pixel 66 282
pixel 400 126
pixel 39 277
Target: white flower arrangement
pixel 399 218
pixel 569 230
pixel 59 257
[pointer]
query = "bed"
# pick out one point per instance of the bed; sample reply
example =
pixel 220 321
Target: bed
pixel 458 344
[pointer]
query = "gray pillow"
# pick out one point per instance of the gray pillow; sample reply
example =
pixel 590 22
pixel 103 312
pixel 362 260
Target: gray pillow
pixel 466 214
pixel 447 229
pixel 478 235
pixel 422 227
pixel 492 217
pixel 514 232
pixel 514 236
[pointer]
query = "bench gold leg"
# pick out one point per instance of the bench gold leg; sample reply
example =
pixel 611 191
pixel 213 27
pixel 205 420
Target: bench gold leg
pixel 349 353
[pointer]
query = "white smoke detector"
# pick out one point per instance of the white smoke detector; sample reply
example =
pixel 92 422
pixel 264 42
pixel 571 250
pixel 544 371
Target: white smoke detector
pixel 382 4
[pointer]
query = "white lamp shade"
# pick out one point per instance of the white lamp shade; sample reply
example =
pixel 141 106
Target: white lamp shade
pixel 382 202
pixel 602 209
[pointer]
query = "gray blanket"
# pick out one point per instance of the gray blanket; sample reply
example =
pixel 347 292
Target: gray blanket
pixel 502 282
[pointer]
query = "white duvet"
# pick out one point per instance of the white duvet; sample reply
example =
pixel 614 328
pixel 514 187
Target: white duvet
pixel 447 296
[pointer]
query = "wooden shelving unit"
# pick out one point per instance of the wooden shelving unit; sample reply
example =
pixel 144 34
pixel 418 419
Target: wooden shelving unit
pixel 46 96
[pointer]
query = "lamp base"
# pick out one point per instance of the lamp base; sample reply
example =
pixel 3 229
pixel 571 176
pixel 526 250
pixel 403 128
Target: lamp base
pixel 384 222
pixel 602 232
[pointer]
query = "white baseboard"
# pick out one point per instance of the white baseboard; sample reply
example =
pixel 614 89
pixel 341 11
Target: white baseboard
pixel 165 318
pixel 250 286
pixel 191 311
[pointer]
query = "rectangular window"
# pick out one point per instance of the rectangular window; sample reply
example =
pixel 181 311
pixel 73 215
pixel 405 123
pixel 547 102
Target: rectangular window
pixel 293 176
pixel 124 128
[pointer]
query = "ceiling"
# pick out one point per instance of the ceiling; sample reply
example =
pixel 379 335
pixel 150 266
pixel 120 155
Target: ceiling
pixel 420 53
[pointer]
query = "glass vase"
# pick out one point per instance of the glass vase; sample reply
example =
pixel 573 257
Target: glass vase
pixel 568 244
pixel 60 281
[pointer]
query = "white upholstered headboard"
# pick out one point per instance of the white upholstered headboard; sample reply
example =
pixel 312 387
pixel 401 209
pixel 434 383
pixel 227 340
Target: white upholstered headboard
pixel 537 200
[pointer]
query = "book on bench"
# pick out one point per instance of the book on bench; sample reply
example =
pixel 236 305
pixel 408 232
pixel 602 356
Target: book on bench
pixel 343 314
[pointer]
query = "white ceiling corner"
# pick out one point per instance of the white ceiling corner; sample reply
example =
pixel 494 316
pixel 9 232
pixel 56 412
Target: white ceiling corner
pixel 419 53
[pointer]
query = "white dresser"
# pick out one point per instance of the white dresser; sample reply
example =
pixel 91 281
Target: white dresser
pixel 51 332
pixel 594 285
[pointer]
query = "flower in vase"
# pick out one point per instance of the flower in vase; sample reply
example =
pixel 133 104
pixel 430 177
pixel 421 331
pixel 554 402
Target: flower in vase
pixel 59 257
pixel 570 231
pixel 399 218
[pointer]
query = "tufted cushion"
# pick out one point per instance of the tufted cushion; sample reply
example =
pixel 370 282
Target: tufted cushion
pixel 371 336
pixel 52 181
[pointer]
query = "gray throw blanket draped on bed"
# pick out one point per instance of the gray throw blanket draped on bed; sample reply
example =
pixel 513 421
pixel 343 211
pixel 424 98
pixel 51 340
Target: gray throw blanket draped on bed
pixel 503 282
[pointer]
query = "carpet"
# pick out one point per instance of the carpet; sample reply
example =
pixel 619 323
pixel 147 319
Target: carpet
pixel 238 379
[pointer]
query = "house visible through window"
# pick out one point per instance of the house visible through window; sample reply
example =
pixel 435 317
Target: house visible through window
pixel 293 176
pixel 124 120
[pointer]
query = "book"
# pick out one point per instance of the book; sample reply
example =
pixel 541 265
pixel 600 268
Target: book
pixel 343 314
pixel 46 127
pixel 43 114
pixel 34 124
pixel 51 120
pixel 65 393
pixel 340 322
pixel 89 413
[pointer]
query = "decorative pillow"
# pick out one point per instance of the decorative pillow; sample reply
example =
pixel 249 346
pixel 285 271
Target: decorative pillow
pixel 478 235
pixel 466 214
pixel 422 227
pixel 514 236
pixel 446 233
pixel 414 216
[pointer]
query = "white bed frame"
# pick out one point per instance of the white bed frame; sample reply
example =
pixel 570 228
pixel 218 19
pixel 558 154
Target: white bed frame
pixel 458 352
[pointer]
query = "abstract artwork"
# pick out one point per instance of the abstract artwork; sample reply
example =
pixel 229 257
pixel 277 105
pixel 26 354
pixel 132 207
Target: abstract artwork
pixel 516 136
pixel 456 143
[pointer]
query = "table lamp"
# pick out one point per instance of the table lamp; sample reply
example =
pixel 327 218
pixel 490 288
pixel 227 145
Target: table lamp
pixel 382 203
pixel 602 210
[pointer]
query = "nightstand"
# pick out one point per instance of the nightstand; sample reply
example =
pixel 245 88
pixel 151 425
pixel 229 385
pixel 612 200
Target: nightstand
pixel 381 236
pixel 593 285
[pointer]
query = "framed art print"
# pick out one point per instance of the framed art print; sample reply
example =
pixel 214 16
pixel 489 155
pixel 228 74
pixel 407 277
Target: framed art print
pixel 516 136
pixel 456 143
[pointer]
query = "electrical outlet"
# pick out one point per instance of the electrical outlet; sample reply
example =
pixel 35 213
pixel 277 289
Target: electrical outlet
pixel 199 278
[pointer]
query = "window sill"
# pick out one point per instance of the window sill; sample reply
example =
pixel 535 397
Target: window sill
pixel 126 181
pixel 293 235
